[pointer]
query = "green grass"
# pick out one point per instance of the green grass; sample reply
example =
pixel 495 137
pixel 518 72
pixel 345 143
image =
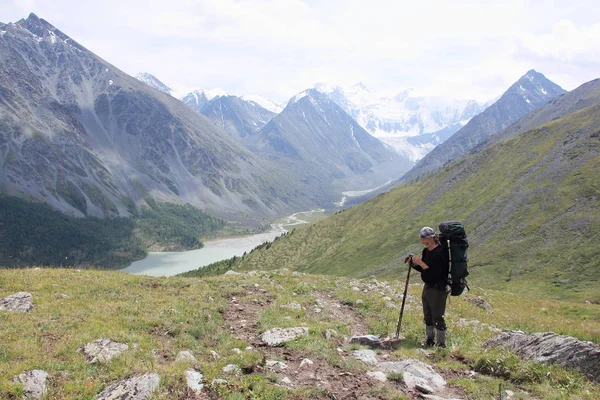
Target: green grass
pixel 529 206
pixel 163 316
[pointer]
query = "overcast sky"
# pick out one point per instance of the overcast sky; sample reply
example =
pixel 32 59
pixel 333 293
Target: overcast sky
pixel 466 49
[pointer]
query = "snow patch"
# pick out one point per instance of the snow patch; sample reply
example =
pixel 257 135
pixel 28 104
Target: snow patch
pixel 2 33
pixel 298 97
pixel 52 37
pixel 110 82
pixel 527 100
pixel 544 91
pixel 263 102
pixel 522 88
pixel 354 137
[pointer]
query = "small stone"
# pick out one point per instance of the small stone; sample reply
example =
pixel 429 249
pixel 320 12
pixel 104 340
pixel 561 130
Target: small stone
pixel 317 310
pixel 61 296
pixel 249 348
pixel 292 305
pixel 236 351
pixel 278 336
pixel 231 272
pixel 366 356
pixel 387 298
pixel 34 383
pixel 366 340
pixel 135 388
pixel 359 301
pixel 103 350
pixel 330 333
pixel 306 362
pixel 509 393
pixel 286 381
pixel 19 302
pixel 231 369
pixel 185 356
pixel 216 382
pixel 194 380
pixel 356 289
pixel 480 302
pixel 276 364
pixel 424 388
pixel 215 355
pixel 377 375
pixel 414 373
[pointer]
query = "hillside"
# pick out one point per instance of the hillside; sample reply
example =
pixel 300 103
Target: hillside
pixel 151 321
pixel 528 205
pixel 531 91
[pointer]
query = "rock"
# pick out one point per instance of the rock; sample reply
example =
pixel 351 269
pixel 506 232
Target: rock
pixel 215 355
pixel 61 296
pixel 509 393
pixel 330 333
pixel 185 356
pixel 423 388
pixel 19 302
pixel 306 362
pixel 549 347
pixel 231 369
pixel 292 305
pixel 415 373
pixel 480 302
pixel 366 340
pixel 231 272
pixel 434 397
pixel 317 310
pixel 286 381
pixel 249 348
pixel 103 350
pixel 366 356
pixel 276 364
pixel 216 382
pixel 194 380
pixel 359 301
pixel 236 351
pixel 356 289
pixel 135 388
pixel 34 383
pixel 278 336
pixel 377 375
pixel 426 353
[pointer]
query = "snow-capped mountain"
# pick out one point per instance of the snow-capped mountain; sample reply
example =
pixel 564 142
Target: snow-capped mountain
pixel 154 82
pixel 263 102
pixel 197 99
pixel 396 119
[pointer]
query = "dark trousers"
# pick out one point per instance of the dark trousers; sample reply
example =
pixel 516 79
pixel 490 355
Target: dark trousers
pixel 434 306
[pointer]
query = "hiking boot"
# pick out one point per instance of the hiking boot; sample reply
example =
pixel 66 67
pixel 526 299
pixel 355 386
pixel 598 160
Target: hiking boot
pixel 429 338
pixel 440 338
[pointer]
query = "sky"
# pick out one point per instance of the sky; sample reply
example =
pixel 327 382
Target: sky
pixel 460 48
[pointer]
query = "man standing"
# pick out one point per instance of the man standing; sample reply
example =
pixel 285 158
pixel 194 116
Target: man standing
pixel 433 266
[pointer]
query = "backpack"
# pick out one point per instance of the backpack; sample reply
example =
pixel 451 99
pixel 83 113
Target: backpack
pixel 454 238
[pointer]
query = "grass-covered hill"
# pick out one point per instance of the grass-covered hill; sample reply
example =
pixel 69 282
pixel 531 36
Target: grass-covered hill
pixel 530 206
pixel 159 317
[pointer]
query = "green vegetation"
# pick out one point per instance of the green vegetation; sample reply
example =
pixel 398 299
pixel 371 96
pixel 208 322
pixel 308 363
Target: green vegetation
pixel 529 205
pixel 35 234
pixel 158 317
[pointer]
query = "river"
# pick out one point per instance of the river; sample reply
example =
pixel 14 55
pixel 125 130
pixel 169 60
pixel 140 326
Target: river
pixel 173 263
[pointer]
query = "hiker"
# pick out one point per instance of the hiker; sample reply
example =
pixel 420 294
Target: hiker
pixel 433 266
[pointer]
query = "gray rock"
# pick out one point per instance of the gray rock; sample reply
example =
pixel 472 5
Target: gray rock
pixel 135 388
pixel 292 305
pixel 415 373
pixel 231 272
pixel 34 383
pixel 185 356
pixel 480 302
pixel 330 333
pixel 366 356
pixel 366 340
pixel 276 364
pixel 216 382
pixel 423 388
pixel 20 302
pixel 286 381
pixel 377 375
pixel 194 380
pixel 306 362
pixel 103 350
pixel 549 347
pixel 231 369
pixel 278 336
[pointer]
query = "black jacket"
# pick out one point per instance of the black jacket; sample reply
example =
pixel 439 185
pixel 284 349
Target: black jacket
pixel 438 263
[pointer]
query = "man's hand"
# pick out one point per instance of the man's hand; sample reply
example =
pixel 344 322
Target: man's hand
pixel 417 261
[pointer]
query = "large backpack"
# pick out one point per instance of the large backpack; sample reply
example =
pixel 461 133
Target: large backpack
pixel 454 239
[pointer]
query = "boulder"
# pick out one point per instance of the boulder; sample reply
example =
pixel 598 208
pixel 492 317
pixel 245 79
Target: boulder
pixel 330 333
pixel 19 302
pixel 231 369
pixel 231 272
pixel 366 356
pixel 415 373
pixel 34 383
pixel 379 376
pixel 278 336
pixel 276 364
pixel 366 340
pixel 138 387
pixel 480 302
pixel 306 362
pixel 194 380
pixel 185 356
pixel 548 347
pixel 103 350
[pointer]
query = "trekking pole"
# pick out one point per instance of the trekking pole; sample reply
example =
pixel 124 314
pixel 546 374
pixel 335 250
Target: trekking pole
pixel 403 300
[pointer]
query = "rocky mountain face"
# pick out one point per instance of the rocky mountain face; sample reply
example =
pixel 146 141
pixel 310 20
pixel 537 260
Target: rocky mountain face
pixel 154 82
pixel 239 117
pixel 395 120
pixel 86 138
pixel 197 99
pixel 531 91
pixel 314 136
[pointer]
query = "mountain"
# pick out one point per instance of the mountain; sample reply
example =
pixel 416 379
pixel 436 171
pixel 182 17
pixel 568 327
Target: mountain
pixel 199 98
pixel 395 119
pixel 89 140
pixel 531 91
pixel 316 138
pixel 263 102
pixel 153 81
pixel 528 203
pixel 239 117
